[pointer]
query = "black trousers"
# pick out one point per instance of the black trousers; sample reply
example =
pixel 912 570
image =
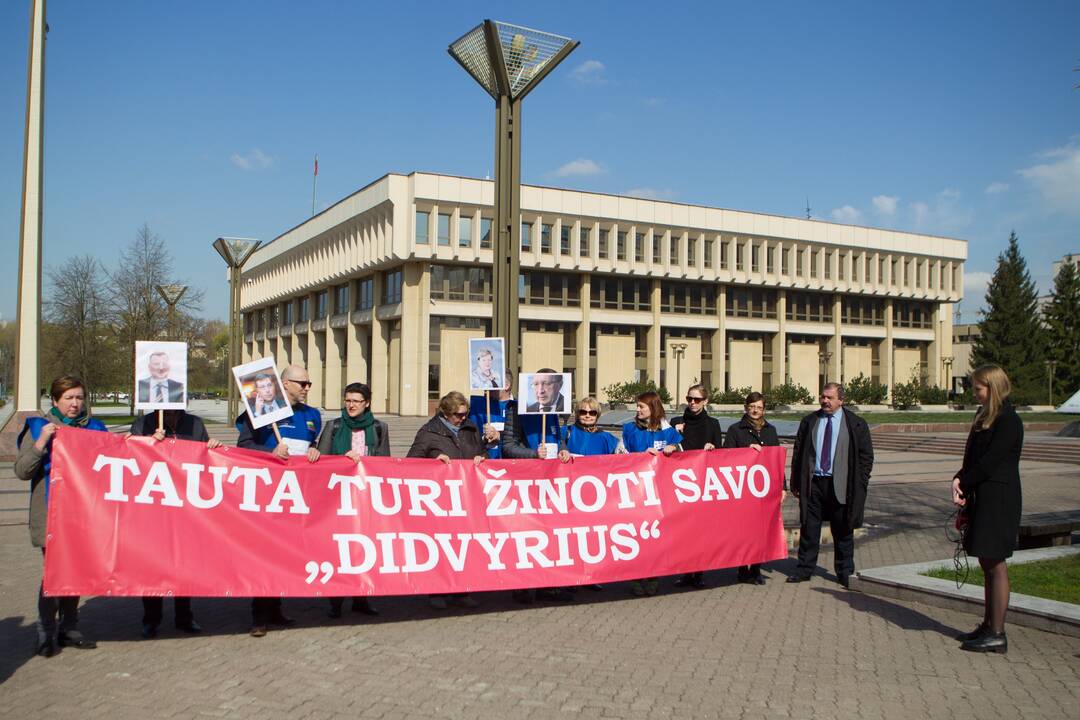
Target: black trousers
pixel 264 610
pixel 49 606
pixel 822 505
pixel 153 609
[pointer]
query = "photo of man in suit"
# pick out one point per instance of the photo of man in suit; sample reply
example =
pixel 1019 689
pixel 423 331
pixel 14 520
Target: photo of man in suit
pixel 266 398
pixel 159 387
pixel 546 393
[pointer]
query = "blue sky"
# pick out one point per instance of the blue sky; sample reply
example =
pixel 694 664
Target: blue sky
pixel 202 118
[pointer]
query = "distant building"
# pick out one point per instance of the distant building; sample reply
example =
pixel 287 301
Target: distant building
pixel 387 286
pixel 964 337
pixel 1070 259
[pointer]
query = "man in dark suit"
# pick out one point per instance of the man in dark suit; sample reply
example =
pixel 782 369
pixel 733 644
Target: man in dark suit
pixel 547 389
pixel 265 400
pixel 830 472
pixel 158 387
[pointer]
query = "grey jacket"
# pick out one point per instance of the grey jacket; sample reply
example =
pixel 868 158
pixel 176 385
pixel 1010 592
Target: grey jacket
pixel 382 435
pixel 30 465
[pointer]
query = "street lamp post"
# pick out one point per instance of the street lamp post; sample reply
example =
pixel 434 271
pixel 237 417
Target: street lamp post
pixel 947 361
pixel 679 349
pixel 235 252
pixel 824 356
pixel 508 61
pixel 171 294
pixel 1051 365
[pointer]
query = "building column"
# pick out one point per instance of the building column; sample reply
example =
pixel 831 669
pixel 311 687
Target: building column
pixel 652 335
pixel 885 354
pixel 835 344
pixel 415 329
pixel 380 352
pixel 584 333
pixel 335 341
pixel 779 349
pixel 316 353
pixel 719 340
pixel 357 365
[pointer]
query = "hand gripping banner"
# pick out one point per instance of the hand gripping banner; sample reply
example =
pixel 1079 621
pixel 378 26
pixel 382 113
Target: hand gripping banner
pixel 128 516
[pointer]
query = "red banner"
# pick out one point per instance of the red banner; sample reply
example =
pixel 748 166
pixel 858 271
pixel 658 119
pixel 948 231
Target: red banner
pixel 135 517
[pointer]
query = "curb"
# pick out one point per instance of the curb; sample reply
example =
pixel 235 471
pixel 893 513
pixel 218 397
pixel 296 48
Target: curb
pixel 904 582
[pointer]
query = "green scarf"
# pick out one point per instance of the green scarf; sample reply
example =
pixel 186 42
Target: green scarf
pixel 79 420
pixel 343 437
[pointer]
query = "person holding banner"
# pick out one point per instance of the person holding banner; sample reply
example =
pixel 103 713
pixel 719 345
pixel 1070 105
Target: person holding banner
pixel 585 437
pixel 649 432
pixel 180 425
pixel 700 431
pixel 488 412
pixel 356 435
pixel 298 435
pixel 450 435
pixel 753 431
pixel 34 463
pixel 529 436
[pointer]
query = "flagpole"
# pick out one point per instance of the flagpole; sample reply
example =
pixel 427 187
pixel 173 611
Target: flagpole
pixel 314 184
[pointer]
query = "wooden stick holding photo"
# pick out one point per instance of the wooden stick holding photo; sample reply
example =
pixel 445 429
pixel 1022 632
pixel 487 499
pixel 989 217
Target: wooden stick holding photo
pixel 277 433
pixel 487 401
pixel 160 420
pixel 543 433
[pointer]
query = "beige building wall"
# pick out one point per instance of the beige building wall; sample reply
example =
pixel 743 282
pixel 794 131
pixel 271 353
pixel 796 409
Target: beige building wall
pixel 614 362
pixel 857 360
pixel 454 359
pixel 907 362
pixel 746 364
pixel 541 349
pixel 804 365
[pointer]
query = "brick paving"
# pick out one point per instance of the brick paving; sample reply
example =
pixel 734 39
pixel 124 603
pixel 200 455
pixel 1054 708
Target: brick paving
pixel 811 650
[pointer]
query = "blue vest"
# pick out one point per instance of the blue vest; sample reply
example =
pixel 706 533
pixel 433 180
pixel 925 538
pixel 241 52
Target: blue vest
pixel 478 414
pixel 579 442
pixel 305 424
pixel 34 426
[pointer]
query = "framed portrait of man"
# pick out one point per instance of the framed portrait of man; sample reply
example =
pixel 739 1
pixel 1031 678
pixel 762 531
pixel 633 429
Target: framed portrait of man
pixel 487 364
pixel 160 375
pixel 262 392
pixel 545 393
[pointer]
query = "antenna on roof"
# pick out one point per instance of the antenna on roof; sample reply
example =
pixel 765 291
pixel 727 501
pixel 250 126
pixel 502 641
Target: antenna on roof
pixel 807 207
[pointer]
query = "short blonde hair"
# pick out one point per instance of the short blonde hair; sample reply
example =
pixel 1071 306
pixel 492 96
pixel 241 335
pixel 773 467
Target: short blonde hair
pixel 997 383
pixel 590 403
pixel 450 402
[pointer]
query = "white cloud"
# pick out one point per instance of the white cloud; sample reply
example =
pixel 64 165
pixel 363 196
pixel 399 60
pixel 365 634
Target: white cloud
pixel 997 187
pixel 652 193
pixel 256 159
pixel 975 283
pixel 886 204
pixel 581 166
pixel 920 212
pixel 1058 179
pixel 945 214
pixel 590 72
pixel 846 214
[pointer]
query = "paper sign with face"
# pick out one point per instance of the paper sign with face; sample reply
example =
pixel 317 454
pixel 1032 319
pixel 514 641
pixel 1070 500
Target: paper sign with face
pixel 487 369
pixel 160 375
pixel 545 393
pixel 262 392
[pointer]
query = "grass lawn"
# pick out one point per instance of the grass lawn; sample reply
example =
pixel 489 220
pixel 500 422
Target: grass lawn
pixel 961 418
pixel 1050 579
pixel 114 420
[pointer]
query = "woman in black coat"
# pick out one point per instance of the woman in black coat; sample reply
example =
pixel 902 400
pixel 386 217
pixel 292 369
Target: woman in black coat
pixel 987 487
pixel 700 431
pixel 752 431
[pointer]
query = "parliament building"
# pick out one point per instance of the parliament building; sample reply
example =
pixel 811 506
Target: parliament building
pixel 387 286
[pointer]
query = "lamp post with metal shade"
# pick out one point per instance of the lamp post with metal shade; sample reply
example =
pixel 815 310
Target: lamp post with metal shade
pixel 235 252
pixel 508 61
pixel 678 349
pixel 947 361
pixel 1051 365
pixel 824 356
pixel 171 294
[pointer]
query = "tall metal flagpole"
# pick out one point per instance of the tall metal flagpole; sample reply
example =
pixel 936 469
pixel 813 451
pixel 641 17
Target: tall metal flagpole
pixel 314 184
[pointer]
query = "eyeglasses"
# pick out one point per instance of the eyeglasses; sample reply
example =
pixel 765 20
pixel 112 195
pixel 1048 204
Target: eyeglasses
pixel 301 383
pixel 589 413
pixel 461 416
pixel 692 399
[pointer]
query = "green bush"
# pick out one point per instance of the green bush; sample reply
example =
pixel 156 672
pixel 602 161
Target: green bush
pixel 862 390
pixel 734 396
pixel 627 392
pixel 933 395
pixel 906 395
pixel 787 394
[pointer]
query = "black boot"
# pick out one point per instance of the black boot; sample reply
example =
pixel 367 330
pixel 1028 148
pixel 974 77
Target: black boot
pixel 988 642
pixel 976 633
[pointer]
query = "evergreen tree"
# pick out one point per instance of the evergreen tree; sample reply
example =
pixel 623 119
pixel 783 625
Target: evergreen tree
pixel 1011 335
pixel 1062 319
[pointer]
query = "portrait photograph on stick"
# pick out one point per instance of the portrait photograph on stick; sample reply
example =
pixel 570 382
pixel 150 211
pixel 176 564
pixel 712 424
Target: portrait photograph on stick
pixel 544 393
pixel 160 375
pixel 487 365
pixel 262 392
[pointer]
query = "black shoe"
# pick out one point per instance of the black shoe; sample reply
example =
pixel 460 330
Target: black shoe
pixel 522 596
pixel 149 631
pixel 190 627
pixel 683 581
pixel 75 639
pixel 554 595
pixel 988 642
pixel 798 578
pixel 595 587
pixel 281 619
pixel 363 605
pixel 334 612
pixel 978 632
pixel 257 631
pixel 758 579
pixel 698 581
pixel 45 648
pixel 844 579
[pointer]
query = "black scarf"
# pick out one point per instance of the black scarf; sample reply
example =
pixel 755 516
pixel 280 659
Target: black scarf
pixel 697 429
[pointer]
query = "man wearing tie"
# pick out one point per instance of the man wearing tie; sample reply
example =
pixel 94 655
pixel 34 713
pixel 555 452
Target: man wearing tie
pixel 547 389
pixel 265 400
pixel 830 472
pixel 158 388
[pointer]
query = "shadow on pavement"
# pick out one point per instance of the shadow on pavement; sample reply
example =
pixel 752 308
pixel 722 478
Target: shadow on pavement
pixel 899 615
pixel 17 637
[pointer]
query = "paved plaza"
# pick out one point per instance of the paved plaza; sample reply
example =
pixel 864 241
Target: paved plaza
pixel 812 650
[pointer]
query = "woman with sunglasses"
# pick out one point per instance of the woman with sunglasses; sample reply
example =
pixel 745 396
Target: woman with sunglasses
pixel 753 431
pixel 699 431
pixel 585 437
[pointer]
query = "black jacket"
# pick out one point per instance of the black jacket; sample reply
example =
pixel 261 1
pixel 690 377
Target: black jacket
pixel 513 444
pixel 699 429
pixel 860 464
pixel 990 481
pixel 743 434
pixel 189 427
pixel 435 439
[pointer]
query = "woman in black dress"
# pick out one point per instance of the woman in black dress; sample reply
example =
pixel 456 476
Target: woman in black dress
pixel 753 431
pixel 987 487
pixel 700 431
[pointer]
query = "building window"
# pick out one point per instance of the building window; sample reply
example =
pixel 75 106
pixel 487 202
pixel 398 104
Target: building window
pixel 785 261
pixel 724 259
pixel 770 259
pixel 739 262
pixel 613 293
pixel 911 314
pixel 460 282
pixel 692 298
pixel 320 304
pixel 841 267
pixel 545 238
pixel 620 246
pixel 828 265
pixel 526 237
pixel 391 287
pixel 564 240
pixel 800 262
pixel 341 299
pixel 247 323
pixel 603 244
pixel 639 247
pixel 365 299
pixel 809 307
pixel 583 241
pixel 485 233
pixel 691 251
pixel 755 257
pixel 444 229
pixel 421 227
pixel 815 255
pixel 862 311
pixel 547 288
pixel 304 311
pixel 464 231
pixel 657 240
pixel 286 313
pixel 673 249
pixel 708 248
pixel 750 303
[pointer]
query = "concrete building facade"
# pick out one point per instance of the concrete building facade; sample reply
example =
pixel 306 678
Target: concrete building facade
pixel 387 286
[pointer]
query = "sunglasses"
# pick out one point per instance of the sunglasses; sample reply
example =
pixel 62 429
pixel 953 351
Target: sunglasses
pixel 301 383
pixel 589 413
pixel 461 415
pixel 692 399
